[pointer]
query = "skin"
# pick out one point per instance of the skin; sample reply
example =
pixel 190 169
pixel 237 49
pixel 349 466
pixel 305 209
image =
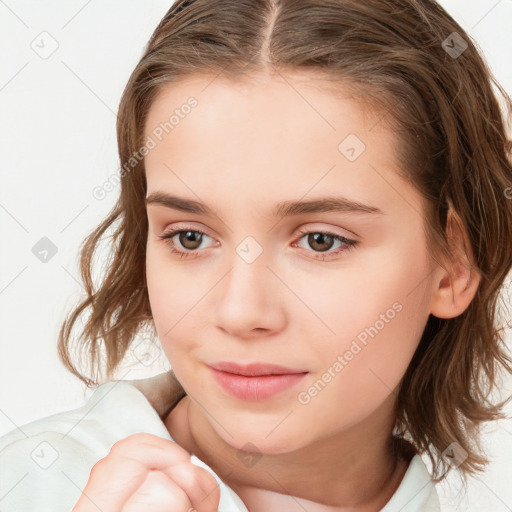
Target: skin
pixel 245 147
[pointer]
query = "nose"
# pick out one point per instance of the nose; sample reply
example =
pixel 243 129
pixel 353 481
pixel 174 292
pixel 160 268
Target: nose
pixel 249 300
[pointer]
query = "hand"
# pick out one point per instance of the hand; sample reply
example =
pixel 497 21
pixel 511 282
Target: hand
pixel 146 472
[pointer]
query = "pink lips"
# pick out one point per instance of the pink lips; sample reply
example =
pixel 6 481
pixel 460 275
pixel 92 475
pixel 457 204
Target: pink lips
pixel 255 381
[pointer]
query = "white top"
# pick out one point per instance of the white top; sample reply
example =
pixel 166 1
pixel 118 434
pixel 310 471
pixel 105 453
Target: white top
pixel 45 464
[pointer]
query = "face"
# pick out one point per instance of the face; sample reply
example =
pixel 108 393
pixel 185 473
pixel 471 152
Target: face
pixel 249 284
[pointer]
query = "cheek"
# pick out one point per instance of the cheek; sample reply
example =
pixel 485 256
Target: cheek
pixel 166 289
pixel 175 301
pixel 377 319
pixel 383 291
pixel 169 283
pixel 158 281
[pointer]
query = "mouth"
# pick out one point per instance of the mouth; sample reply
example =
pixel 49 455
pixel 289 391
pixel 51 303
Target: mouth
pixel 255 369
pixel 255 381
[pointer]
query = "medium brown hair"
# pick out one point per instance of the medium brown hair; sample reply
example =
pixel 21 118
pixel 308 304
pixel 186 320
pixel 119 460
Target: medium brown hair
pixel 453 147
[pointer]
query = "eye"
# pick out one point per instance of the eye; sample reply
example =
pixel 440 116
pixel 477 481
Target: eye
pixel 188 238
pixel 323 241
pixel 191 240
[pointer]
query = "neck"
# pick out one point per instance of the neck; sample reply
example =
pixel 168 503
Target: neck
pixel 356 469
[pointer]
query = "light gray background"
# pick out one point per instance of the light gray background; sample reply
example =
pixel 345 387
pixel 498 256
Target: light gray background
pixel 57 127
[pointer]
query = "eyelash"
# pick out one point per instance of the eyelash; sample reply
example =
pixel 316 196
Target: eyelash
pixel 349 243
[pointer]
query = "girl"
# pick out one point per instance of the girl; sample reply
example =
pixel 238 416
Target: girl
pixel 315 218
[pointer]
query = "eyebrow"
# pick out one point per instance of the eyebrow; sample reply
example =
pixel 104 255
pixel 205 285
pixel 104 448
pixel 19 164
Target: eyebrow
pixel 284 209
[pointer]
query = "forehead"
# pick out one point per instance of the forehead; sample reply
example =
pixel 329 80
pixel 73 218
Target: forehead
pixel 299 102
pixel 290 132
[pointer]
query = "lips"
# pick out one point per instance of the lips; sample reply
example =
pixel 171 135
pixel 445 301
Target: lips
pixel 255 369
pixel 256 381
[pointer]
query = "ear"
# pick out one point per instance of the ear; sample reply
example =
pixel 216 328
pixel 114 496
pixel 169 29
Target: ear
pixel 455 288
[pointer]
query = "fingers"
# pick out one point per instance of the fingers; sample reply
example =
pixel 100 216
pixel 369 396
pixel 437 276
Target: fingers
pixel 200 486
pixel 153 451
pixel 111 483
pixel 144 470
pixel 173 460
pixel 158 494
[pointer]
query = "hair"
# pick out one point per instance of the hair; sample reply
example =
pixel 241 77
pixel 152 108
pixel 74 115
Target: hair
pixel 453 147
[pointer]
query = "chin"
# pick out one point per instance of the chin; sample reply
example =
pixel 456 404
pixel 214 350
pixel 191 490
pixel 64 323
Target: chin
pixel 257 439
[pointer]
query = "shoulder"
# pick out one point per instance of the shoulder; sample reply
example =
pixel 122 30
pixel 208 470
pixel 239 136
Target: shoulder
pixel 47 462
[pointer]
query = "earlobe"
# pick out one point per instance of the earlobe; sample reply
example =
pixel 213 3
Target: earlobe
pixel 456 286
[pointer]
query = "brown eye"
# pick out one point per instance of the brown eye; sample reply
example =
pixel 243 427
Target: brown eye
pixel 320 241
pixel 190 240
pixel 323 241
